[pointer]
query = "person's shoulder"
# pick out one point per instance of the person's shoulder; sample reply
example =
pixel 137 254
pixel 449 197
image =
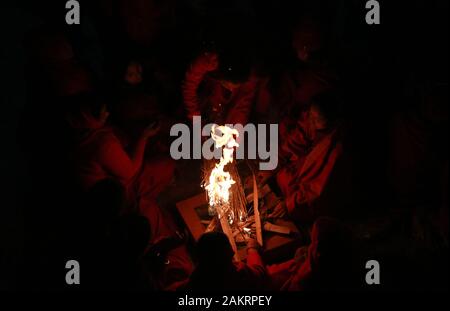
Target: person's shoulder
pixel 254 78
pixel 104 133
pixel 105 137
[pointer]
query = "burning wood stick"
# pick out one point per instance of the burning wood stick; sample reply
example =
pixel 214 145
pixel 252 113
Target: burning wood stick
pixel 277 229
pixel 227 230
pixel 212 225
pixel 262 193
pixel 256 212
pixel 239 202
pixel 223 186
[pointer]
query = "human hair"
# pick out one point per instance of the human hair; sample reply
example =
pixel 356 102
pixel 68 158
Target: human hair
pixel 214 248
pixel 106 200
pixel 233 68
pixel 329 105
pixel 87 102
pixel 132 233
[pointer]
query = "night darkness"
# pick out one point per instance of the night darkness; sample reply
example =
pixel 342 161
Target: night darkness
pixel 81 182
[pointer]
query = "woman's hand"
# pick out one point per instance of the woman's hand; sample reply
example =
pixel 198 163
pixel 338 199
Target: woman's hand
pixel 263 176
pixel 252 244
pixel 279 211
pixel 151 130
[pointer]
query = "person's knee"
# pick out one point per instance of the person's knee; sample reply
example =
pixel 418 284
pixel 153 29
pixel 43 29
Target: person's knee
pixel 164 168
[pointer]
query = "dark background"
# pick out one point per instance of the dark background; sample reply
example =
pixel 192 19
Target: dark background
pixel 379 64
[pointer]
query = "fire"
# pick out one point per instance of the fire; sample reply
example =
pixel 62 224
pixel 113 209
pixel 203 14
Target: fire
pixel 231 212
pixel 220 181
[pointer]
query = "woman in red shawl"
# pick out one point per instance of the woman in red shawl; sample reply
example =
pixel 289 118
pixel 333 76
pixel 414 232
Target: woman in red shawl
pixel 308 158
pixel 98 155
pixel 219 90
pixel 328 263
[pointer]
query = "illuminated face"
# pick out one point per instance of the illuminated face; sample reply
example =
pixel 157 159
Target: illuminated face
pixel 303 53
pixel 305 43
pixel 104 114
pixel 231 86
pixel 133 74
pixel 316 119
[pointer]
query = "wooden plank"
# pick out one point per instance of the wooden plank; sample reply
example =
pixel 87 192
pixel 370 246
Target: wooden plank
pixel 187 211
pixel 276 246
pixel 259 238
pixel 227 230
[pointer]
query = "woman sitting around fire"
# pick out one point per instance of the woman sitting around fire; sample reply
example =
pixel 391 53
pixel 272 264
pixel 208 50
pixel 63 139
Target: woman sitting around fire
pixel 98 154
pixel 219 88
pixel 308 158
pixel 327 263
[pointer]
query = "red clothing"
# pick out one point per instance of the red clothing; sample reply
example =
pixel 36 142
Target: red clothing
pixel 151 180
pixel 299 86
pixel 311 161
pixel 297 142
pixel 326 263
pixel 70 78
pixel 101 156
pixel 292 275
pixel 296 90
pixel 134 112
pixel 203 95
pixel 238 276
pixel 282 100
pixel 136 107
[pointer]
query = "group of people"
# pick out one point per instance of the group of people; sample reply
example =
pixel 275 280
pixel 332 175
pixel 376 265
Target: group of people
pixel 328 262
pixel 112 137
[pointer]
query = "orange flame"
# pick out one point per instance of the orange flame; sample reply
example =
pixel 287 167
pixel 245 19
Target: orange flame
pixel 220 182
